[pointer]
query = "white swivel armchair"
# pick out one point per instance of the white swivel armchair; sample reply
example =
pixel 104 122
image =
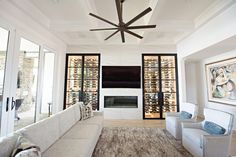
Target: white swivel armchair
pixel 203 140
pixel 173 119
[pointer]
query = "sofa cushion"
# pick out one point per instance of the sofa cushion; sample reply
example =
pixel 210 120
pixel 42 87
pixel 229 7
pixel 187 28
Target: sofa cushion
pixel 7 144
pixel 67 120
pixel 79 131
pixel 69 148
pixel 98 120
pixel 43 133
pixel 213 128
pixel 185 115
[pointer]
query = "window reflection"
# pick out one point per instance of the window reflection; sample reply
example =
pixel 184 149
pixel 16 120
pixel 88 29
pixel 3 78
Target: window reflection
pixel 27 79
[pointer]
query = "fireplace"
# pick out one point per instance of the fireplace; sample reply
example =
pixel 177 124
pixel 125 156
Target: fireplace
pixel 120 102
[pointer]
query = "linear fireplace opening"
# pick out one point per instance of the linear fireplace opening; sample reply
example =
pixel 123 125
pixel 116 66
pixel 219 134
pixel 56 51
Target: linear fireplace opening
pixel 120 101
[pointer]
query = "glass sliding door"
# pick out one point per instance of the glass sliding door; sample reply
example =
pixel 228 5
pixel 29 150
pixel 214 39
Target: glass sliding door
pixel 160 88
pixel 47 91
pixel 4 101
pixel 22 102
pixel 26 88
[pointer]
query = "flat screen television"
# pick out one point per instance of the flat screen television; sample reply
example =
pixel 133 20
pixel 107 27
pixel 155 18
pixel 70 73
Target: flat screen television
pixel 121 76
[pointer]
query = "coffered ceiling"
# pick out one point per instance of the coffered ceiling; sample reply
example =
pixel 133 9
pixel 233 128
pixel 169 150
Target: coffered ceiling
pixel 175 19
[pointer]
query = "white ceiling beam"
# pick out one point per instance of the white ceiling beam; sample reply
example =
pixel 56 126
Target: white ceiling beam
pixel 29 8
pixel 162 25
pixel 153 4
pixel 69 26
pixel 174 25
pixel 81 25
pixel 213 10
pixel 89 6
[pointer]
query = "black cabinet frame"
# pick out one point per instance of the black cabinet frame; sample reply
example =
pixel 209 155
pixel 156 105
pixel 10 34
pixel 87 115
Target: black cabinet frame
pixel 81 96
pixel 160 93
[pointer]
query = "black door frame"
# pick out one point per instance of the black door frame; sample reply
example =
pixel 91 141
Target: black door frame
pixel 82 69
pixel 160 101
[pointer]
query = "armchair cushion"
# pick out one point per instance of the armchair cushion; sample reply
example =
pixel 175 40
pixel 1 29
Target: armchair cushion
pixel 174 120
pixel 213 128
pixel 185 115
pixel 199 141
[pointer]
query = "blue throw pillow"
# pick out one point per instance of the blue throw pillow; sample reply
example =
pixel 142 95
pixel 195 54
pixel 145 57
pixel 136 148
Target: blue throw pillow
pixel 213 128
pixel 185 115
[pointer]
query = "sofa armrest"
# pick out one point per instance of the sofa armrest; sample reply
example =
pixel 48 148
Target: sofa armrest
pixel 172 114
pixel 98 113
pixel 193 125
pixel 216 145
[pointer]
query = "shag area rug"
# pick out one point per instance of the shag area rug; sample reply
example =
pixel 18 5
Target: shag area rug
pixel 138 142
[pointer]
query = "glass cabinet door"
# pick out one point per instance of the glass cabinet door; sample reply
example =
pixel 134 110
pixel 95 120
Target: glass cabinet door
pixel 168 77
pixel 74 80
pixel 82 82
pixel 151 87
pixel 90 83
pixel 159 85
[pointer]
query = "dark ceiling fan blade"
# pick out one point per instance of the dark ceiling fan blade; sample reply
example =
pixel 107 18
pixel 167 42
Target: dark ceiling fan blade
pixel 103 29
pixel 100 18
pixel 122 36
pixel 141 27
pixel 138 16
pixel 111 35
pixel 134 34
pixel 119 11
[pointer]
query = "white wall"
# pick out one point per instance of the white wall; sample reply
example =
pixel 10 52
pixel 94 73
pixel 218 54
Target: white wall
pixel 191 82
pixel 120 56
pixel 219 106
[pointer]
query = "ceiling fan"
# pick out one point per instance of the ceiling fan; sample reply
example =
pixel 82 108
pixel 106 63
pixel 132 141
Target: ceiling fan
pixel 122 26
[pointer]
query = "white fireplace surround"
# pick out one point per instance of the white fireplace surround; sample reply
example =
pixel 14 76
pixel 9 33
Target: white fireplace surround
pixel 120 101
pixel 122 113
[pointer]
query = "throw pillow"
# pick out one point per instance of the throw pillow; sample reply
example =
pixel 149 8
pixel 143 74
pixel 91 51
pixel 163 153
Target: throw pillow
pixel 213 128
pixel 185 115
pixel 32 152
pixel 24 148
pixel 86 111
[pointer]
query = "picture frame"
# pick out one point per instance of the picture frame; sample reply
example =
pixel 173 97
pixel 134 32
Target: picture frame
pixel 221 81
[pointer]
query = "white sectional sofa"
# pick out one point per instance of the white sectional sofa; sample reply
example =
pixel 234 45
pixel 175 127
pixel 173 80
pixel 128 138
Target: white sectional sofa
pixel 61 135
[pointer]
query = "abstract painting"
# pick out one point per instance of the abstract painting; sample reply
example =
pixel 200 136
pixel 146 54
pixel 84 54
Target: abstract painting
pixel 221 81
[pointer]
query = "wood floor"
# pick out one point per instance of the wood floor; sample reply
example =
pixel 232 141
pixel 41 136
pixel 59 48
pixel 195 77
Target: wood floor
pixel 154 123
